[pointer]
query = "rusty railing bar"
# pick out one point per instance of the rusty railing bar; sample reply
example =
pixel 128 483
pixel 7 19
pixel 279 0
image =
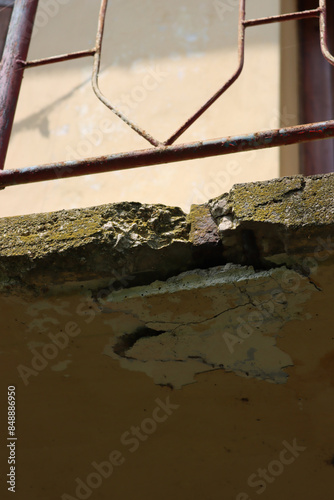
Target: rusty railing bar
pixel 283 17
pixel 323 33
pixel 227 85
pixel 14 62
pixel 169 154
pixel 11 68
pixel 60 58
pixel 95 79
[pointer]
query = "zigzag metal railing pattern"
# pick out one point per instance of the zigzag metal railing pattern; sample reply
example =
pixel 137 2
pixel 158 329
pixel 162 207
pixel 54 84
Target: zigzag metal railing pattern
pixel 14 63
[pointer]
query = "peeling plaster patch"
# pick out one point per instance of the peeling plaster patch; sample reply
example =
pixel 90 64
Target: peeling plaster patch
pixel 227 317
pixel 61 366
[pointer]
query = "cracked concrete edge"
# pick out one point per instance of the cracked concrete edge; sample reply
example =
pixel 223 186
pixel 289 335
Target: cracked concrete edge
pixel 230 319
pixel 277 222
pixel 113 243
pixel 281 221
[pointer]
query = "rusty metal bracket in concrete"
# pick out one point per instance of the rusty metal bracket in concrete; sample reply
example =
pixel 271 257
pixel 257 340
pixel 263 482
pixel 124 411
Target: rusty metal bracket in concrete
pixel 14 62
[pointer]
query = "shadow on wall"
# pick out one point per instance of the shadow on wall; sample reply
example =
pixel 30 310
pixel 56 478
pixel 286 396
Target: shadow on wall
pixel 144 30
pixel 40 119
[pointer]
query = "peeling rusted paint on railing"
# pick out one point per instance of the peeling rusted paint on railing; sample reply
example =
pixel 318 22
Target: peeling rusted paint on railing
pixel 11 67
pixel 14 62
pixel 169 154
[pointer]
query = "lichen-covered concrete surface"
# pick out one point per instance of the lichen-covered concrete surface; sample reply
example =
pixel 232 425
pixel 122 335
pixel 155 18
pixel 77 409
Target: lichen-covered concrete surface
pixel 199 346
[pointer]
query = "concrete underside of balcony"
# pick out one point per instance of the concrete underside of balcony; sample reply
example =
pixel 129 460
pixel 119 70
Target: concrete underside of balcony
pixel 224 314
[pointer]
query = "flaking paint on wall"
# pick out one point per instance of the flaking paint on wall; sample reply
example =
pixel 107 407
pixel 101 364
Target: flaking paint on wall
pixel 227 317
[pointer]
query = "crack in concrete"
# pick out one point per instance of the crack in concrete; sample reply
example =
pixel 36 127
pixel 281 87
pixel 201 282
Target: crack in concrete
pixel 241 338
pixel 283 196
pixel 129 340
pixel 270 226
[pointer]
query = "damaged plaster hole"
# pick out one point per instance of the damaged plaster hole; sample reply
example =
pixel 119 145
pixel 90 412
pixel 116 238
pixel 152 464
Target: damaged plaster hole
pixel 172 332
pixel 126 342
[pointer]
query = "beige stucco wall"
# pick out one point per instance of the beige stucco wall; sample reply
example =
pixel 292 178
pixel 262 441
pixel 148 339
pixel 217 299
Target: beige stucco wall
pixel 161 61
pixel 221 430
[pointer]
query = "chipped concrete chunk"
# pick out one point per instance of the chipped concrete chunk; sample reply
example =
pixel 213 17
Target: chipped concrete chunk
pixel 92 243
pixel 292 201
pixel 227 317
pixel 278 221
pixel 182 294
pixel 260 224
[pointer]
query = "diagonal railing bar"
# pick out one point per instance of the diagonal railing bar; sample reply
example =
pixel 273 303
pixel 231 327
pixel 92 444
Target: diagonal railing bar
pixel 95 79
pixel 14 63
pixel 226 86
pixel 243 24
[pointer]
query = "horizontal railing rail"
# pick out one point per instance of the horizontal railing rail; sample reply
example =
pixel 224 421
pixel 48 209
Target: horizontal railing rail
pixel 14 63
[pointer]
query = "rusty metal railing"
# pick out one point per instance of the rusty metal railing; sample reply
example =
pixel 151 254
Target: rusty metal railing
pixel 14 63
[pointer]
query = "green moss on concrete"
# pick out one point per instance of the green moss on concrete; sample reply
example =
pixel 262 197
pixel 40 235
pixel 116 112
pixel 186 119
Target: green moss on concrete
pixel 254 224
pixel 74 245
pixel 291 201
pixel 199 218
pixel 277 221
pixel 42 234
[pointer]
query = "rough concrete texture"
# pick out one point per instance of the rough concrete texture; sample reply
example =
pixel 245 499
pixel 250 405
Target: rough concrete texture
pixel 222 318
pixel 103 242
pixel 275 221
pixel 257 224
pixel 192 288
